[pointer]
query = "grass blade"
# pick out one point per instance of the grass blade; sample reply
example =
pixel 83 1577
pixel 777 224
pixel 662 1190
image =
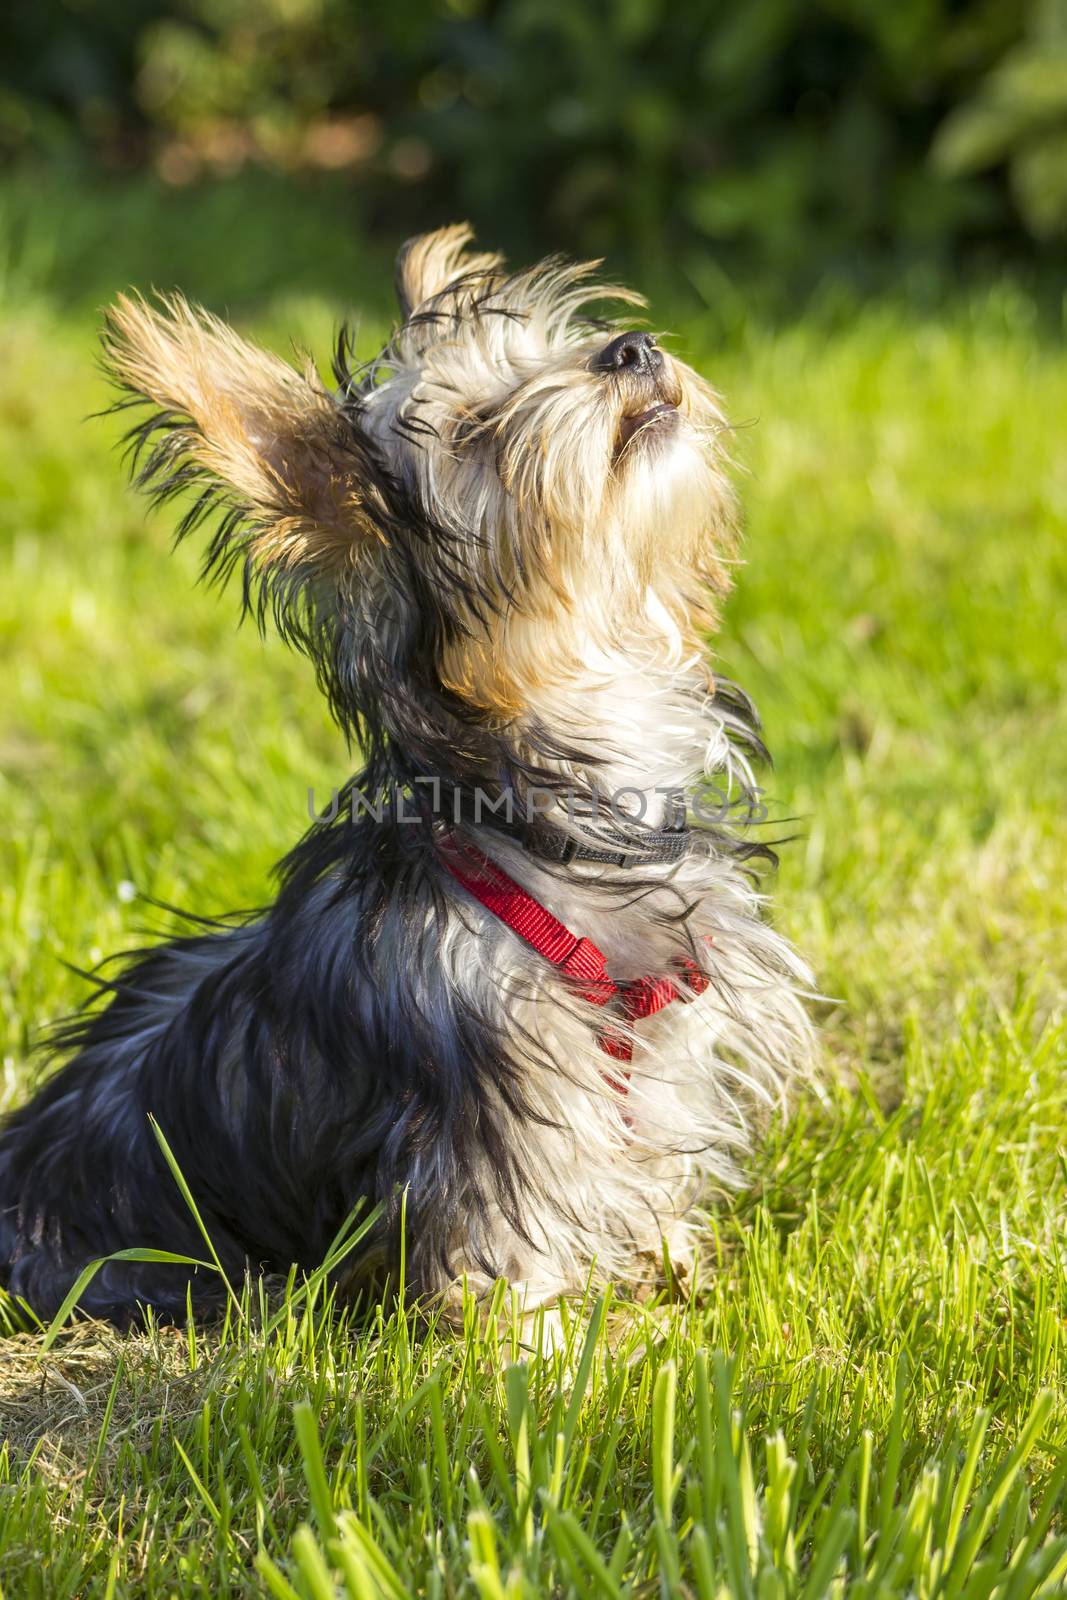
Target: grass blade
pixel 89 1272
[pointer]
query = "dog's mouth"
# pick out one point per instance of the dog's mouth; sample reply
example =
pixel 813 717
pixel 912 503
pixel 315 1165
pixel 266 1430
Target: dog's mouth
pixel 662 418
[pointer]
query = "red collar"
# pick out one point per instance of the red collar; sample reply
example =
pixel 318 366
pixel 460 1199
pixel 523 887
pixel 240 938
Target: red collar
pixel 579 959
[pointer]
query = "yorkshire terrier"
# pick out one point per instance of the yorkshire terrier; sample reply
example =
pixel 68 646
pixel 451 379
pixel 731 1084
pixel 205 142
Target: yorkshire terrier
pixel 516 986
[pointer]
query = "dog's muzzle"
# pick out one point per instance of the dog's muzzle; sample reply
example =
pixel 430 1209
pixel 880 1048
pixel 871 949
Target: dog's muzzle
pixel 650 406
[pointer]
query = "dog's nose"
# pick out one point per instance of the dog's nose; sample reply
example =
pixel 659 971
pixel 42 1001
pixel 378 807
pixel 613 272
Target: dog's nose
pixel 631 352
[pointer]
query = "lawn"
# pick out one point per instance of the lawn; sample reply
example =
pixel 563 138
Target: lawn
pixel 865 1394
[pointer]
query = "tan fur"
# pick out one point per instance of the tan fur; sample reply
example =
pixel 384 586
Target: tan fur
pixel 266 430
pixel 431 262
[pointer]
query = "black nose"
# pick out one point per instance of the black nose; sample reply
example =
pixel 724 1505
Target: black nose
pixel 633 352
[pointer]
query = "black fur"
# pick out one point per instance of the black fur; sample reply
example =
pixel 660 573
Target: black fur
pixel 299 1064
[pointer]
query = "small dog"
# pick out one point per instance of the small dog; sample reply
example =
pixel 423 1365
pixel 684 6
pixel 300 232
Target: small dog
pixel 520 976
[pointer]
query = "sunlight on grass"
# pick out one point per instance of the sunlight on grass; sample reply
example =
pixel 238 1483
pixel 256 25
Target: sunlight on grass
pixel 865 1394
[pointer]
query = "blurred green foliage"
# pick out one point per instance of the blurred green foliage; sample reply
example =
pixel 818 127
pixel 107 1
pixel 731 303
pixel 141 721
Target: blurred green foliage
pixel 1019 118
pixel 645 127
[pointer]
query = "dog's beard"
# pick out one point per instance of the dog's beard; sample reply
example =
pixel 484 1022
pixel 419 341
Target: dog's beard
pixel 573 492
pixel 666 506
pixel 635 580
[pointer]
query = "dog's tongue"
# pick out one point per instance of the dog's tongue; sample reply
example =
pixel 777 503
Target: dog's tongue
pixel 629 425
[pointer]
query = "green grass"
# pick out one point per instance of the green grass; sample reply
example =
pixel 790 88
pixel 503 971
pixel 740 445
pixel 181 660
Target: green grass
pixel 865 1395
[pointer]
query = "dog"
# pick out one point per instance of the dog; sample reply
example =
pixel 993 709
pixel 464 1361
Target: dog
pixel 517 987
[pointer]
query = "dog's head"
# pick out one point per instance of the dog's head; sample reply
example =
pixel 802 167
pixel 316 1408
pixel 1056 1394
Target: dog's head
pixel 511 488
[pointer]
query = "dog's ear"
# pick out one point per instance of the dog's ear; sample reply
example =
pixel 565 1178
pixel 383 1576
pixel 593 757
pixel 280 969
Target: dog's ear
pixel 264 444
pixel 432 262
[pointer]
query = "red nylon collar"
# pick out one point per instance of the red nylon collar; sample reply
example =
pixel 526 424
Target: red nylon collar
pixel 579 959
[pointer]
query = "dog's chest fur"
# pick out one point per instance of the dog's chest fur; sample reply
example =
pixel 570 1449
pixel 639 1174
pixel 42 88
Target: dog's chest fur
pixel 614 1155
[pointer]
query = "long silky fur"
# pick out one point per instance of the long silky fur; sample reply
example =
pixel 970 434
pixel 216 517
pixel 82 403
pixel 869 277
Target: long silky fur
pixel 496 595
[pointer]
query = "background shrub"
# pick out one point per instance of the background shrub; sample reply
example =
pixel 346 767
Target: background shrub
pixel 779 130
